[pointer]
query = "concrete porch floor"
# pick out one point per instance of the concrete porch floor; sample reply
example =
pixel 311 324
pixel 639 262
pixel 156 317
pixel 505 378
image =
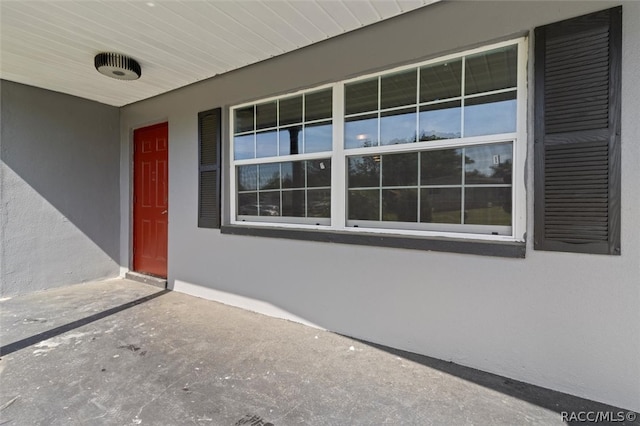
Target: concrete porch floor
pixel 120 352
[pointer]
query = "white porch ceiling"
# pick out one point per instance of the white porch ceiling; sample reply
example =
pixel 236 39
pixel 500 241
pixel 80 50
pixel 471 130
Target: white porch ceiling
pixel 51 44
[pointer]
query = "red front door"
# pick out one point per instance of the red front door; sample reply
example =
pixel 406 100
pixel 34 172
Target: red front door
pixel 150 194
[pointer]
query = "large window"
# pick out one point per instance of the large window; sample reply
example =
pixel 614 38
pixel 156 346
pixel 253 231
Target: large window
pixel 431 149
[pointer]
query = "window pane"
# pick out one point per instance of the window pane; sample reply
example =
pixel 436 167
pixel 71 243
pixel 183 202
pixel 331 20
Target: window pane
pixel 269 203
pixel 398 127
pixel 247 178
pixel 291 140
pixel 319 203
pixel 400 205
pixel 441 167
pixel 318 137
pixel 268 176
pixel 267 144
pixel 318 105
pixel 361 132
pixel 364 204
pixel 398 89
pixel 487 206
pixel 243 147
pixel 291 111
pixel 293 203
pixel 441 81
pixel 440 121
pixel 364 171
pixel 361 96
pixel 488 164
pixel 493 70
pixel 244 119
pixel 266 115
pixel 400 169
pixel 248 204
pixel 318 173
pixel 440 205
pixel 293 174
pixel 487 115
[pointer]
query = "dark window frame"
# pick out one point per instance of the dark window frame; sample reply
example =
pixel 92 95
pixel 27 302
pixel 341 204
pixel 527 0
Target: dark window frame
pixel 507 249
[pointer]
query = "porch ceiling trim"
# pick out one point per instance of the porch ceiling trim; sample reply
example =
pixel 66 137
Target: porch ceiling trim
pixel 51 44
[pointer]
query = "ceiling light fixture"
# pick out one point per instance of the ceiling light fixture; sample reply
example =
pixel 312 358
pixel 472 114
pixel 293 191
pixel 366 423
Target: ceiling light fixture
pixel 117 66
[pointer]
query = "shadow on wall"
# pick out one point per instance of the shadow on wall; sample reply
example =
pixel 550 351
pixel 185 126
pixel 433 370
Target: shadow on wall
pixel 561 403
pixel 67 150
pixel 569 407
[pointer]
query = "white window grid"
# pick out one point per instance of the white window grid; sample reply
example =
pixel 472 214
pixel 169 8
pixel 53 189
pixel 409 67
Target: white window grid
pixel 280 190
pixel 278 127
pixel 338 219
pixel 419 225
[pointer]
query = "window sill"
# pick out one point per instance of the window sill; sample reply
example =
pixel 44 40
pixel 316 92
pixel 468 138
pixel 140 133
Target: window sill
pixel 464 246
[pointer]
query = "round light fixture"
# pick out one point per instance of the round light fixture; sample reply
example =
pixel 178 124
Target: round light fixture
pixel 117 66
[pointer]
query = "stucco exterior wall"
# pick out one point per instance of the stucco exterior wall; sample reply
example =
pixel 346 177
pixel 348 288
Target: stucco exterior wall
pixel 59 190
pixel 569 322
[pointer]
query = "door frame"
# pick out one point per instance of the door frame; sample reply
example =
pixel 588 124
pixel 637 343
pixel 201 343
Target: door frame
pixel 131 184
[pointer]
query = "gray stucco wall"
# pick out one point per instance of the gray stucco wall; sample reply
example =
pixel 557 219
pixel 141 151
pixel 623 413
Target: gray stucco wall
pixel 565 321
pixel 59 190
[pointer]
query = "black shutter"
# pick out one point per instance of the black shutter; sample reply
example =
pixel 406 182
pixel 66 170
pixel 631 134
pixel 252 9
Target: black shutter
pixel 209 172
pixel 577 134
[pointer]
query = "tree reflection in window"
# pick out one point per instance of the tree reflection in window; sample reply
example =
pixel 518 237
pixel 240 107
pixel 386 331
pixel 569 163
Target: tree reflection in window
pixel 291 188
pixel 469 185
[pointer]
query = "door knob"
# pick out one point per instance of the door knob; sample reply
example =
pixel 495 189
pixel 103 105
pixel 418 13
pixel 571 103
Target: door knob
pixel 164 212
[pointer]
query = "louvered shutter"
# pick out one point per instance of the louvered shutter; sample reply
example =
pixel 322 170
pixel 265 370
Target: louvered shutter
pixel 577 134
pixel 209 171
